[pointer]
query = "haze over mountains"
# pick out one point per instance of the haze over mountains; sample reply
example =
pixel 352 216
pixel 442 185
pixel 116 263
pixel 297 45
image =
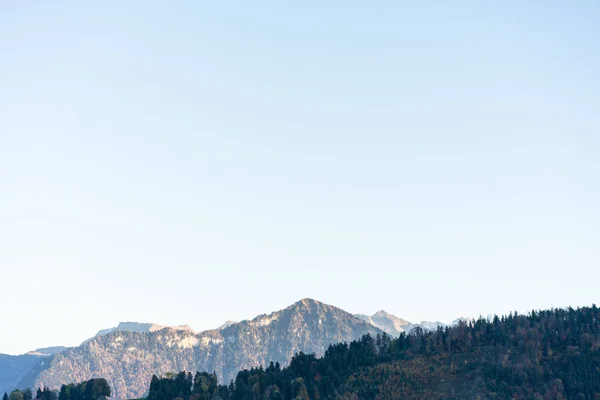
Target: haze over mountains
pixel 128 354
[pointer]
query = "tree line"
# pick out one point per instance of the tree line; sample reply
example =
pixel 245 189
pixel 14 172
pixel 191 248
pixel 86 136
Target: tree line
pixel 93 389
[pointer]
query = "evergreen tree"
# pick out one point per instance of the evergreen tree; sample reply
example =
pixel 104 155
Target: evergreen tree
pixel 95 389
pixel 62 394
pixel 48 394
pixel 231 389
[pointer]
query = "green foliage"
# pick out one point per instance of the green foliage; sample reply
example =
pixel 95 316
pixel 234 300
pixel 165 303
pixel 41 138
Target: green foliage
pixel 203 386
pixel 94 389
pixel 16 395
pixel 545 355
pixel 45 394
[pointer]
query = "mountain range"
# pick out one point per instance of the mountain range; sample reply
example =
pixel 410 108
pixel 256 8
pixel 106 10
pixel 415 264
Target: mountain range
pixel 130 353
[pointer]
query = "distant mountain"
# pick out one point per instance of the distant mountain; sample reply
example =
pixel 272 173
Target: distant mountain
pixel 388 323
pixel 393 325
pixel 14 368
pixel 427 325
pixel 139 327
pixel 47 351
pixel 128 358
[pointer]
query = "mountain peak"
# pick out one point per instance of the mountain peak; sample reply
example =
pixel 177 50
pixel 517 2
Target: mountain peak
pixel 382 313
pixel 227 324
pixel 307 302
pixel 303 307
pixel 387 322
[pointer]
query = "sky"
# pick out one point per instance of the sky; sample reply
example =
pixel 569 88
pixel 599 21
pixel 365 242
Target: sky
pixel 194 162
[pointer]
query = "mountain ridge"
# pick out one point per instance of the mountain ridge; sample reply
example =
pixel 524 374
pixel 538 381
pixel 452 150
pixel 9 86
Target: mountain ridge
pixel 138 327
pixel 127 359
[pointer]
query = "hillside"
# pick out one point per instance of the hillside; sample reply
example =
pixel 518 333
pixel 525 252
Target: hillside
pixel 545 355
pixel 13 368
pixel 128 359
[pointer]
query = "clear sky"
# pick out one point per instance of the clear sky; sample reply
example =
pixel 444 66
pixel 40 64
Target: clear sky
pixel 191 162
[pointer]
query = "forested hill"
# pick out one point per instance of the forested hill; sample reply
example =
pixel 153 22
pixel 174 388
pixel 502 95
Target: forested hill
pixel 545 355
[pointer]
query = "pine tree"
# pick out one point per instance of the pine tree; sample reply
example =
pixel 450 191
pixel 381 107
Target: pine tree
pixel 62 395
pixel 231 389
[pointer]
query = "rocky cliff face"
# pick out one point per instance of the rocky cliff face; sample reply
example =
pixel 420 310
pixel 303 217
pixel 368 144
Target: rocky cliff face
pixel 128 359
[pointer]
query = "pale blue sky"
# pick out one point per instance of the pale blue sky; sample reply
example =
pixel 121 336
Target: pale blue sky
pixel 194 161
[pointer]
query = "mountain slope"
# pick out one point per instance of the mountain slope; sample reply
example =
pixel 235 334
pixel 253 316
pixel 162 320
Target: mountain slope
pixel 128 359
pixel 17 369
pixel 14 368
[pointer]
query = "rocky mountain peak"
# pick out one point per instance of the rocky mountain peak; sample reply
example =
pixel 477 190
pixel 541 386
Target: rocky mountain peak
pixel 383 314
pixel 306 304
